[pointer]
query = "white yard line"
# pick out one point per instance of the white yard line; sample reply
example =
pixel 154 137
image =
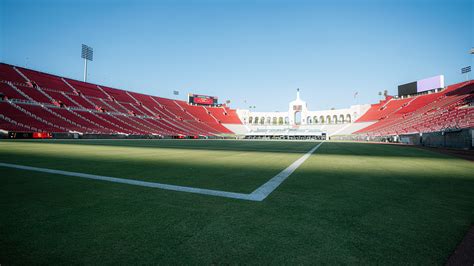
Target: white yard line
pixel 258 195
pixel 264 190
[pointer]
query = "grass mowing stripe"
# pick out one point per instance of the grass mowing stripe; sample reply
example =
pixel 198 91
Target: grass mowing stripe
pixel 132 182
pixel 349 203
pixel 258 195
pixel 240 167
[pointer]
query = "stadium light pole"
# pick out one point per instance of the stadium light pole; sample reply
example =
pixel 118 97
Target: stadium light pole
pixel 466 70
pixel 87 54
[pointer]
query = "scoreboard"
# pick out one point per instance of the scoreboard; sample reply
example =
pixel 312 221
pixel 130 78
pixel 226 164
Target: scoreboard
pixel 407 89
pixel 201 99
pixel 423 85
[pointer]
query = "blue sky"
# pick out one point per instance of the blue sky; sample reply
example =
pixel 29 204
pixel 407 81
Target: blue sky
pixel 253 51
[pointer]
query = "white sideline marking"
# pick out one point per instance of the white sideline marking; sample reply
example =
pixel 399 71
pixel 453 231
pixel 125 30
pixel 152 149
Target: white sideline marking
pixel 257 195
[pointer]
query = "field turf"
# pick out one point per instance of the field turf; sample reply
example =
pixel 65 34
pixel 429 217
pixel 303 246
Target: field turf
pixel 348 203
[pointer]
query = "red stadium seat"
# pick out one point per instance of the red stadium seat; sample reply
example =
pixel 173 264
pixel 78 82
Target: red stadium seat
pixel 450 108
pixel 65 105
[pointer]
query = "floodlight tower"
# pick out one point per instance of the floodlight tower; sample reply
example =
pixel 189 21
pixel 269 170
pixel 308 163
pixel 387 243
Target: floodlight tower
pixel 88 55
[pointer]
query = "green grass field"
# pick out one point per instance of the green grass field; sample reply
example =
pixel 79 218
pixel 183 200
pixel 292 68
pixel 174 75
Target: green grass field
pixel 348 203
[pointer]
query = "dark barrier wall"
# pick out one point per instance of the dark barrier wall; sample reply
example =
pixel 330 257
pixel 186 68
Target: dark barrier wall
pixel 413 139
pixel 406 89
pixel 459 139
pixel 456 139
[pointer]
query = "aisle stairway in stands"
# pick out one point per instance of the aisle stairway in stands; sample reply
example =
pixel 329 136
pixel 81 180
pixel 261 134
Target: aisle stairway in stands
pixel 450 109
pixel 36 101
pixel 33 101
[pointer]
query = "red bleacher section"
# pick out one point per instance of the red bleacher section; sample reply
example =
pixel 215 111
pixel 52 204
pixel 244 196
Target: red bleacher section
pixel 451 108
pixel 37 102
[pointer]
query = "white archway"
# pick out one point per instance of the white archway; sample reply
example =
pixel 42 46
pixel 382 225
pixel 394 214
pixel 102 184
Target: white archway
pixel 297 118
pixel 328 119
pixel 280 120
pixel 348 118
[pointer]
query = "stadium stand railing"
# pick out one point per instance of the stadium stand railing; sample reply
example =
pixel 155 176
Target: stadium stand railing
pixel 448 109
pixel 36 101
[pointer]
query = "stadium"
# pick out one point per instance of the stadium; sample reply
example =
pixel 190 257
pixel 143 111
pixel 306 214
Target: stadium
pixel 93 173
pixel 39 105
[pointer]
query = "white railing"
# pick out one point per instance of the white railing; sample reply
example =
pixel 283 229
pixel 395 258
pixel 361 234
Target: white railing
pixel 132 97
pixel 65 119
pixel 148 109
pixel 138 110
pixel 209 112
pixel 21 74
pixel 69 85
pixel 21 92
pixel 86 119
pixel 45 94
pixel 37 117
pixel 11 121
pixel 186 111
pixel 72 100
pixel 107 121
pixel 109 106
pixel 102 90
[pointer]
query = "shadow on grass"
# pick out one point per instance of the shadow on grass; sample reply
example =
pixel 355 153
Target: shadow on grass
pixel 211 145
pixel 331 148
pixel 234 176
pixel 377 150
pixel 245 176
pixel 324 213
pixel 365 220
